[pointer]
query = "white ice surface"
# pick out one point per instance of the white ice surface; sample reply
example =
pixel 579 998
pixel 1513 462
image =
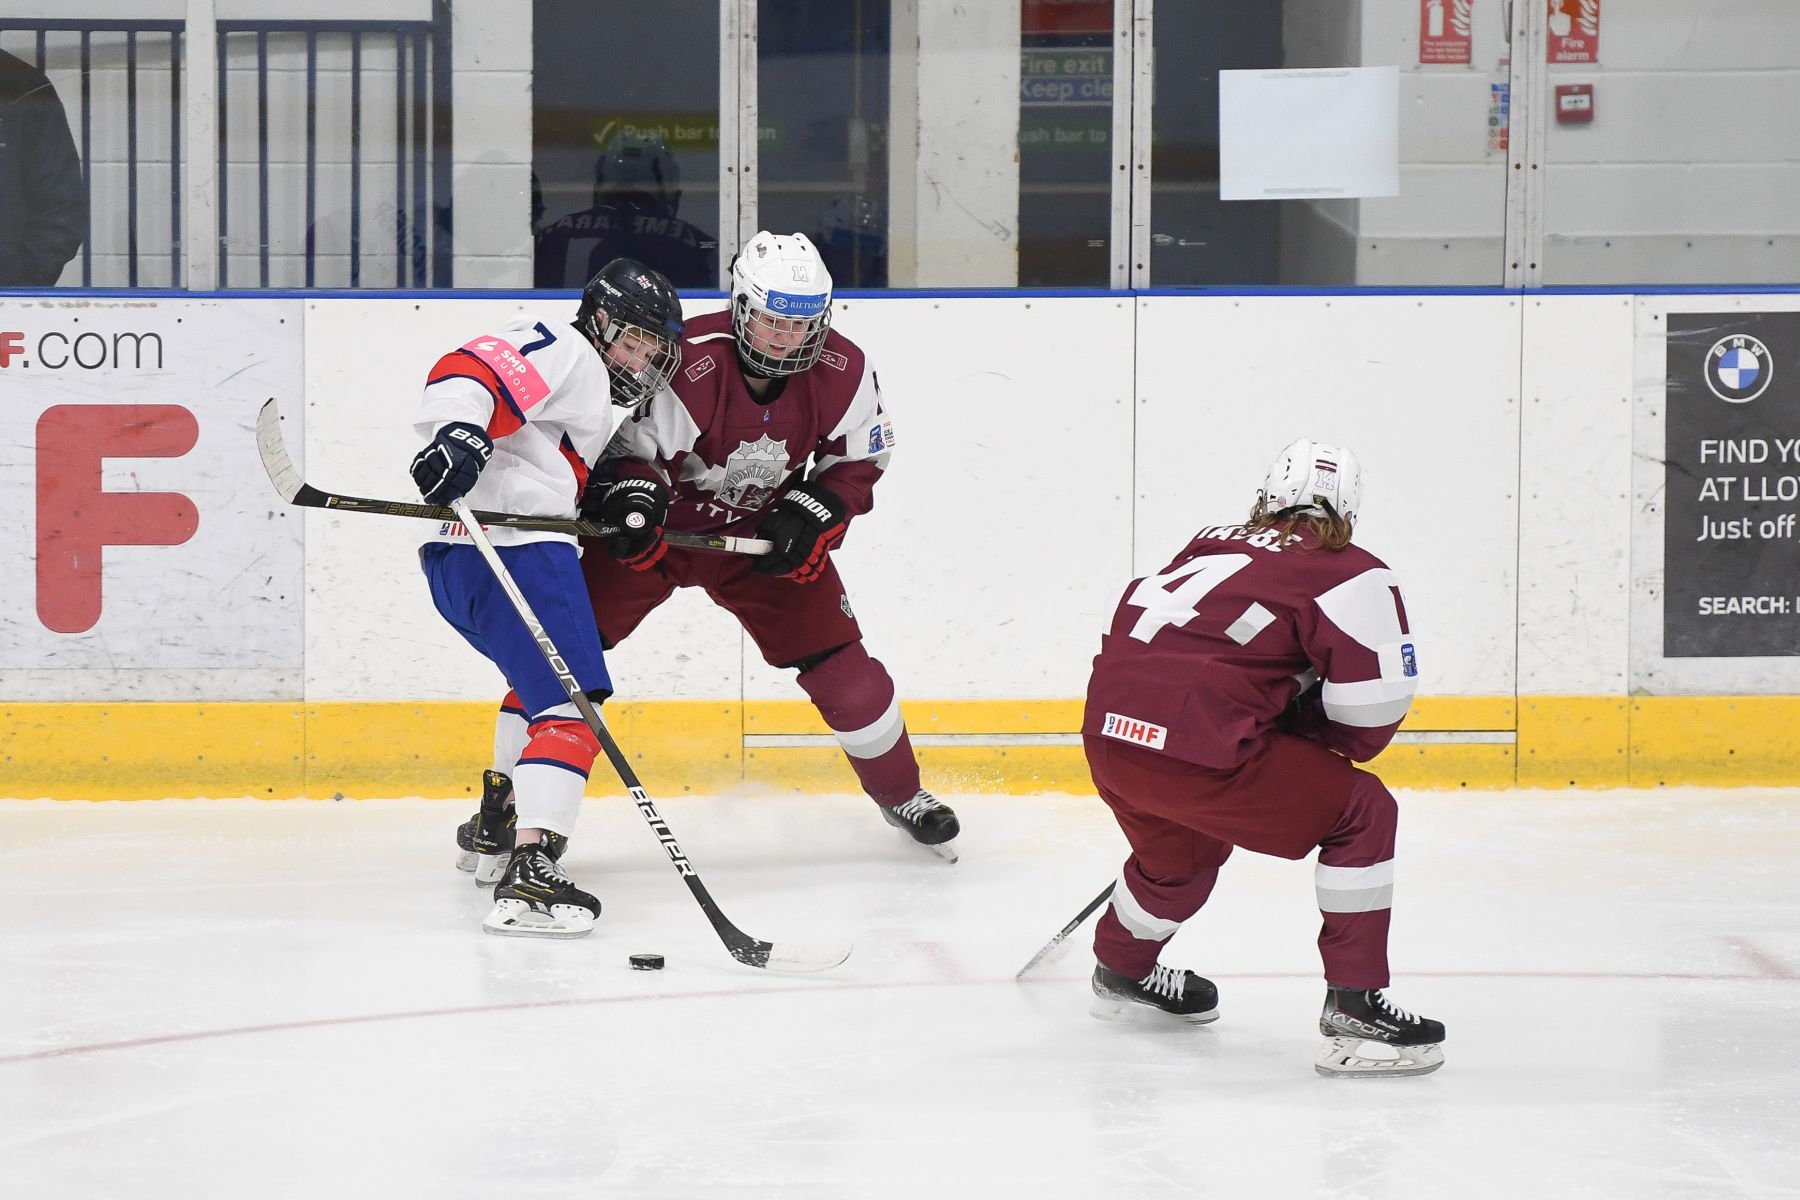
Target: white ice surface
pixel 242 999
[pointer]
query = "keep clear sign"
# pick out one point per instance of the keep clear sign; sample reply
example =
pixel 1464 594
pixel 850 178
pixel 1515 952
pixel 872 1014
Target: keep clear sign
pixel 1731 551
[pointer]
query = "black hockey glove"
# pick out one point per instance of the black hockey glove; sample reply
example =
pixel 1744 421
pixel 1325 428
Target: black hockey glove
pixel 447 468
pixel 804 523
pixel 638 508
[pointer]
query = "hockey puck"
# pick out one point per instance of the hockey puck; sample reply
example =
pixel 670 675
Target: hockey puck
pixel 646 962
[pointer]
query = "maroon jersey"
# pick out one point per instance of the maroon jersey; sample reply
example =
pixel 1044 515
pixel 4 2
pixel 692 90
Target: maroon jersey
pixel 1204 656
pixel 725 455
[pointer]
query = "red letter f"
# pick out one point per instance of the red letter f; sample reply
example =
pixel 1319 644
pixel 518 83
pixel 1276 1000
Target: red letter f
pixel 76 519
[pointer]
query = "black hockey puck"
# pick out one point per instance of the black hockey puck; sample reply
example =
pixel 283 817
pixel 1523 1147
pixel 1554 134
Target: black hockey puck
pixel 646 962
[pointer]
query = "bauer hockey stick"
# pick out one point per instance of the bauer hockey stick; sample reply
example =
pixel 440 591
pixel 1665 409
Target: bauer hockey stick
pixel 1051 945
pixel 296 490
pixel 788 957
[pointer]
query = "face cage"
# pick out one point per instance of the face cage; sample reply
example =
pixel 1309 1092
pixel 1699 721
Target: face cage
pixel 632 388
pixel 744 316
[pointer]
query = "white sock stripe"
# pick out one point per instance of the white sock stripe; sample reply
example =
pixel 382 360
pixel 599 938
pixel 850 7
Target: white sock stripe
pixel 547 797
pixel 1355 889
pixel 1136 920
pixel 511 733
pixel 1354 879
pixel 876 738
pixel 1375 899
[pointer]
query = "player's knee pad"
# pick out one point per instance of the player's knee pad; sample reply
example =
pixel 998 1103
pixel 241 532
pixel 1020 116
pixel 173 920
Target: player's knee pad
pixel 856 696
pixel 846 675
pixel 557 742
pixel 1369 819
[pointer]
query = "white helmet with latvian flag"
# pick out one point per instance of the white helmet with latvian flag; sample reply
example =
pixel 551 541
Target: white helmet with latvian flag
pixel 1311 476
pixel 780 303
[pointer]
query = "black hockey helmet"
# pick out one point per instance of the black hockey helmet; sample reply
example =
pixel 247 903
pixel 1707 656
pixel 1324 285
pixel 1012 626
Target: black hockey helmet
pixel 640 340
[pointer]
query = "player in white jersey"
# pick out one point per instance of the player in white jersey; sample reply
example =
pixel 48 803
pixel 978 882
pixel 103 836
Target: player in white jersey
pixel 515 417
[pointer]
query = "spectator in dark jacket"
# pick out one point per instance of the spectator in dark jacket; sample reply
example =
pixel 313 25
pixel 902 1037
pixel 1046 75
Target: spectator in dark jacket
pixel 43 203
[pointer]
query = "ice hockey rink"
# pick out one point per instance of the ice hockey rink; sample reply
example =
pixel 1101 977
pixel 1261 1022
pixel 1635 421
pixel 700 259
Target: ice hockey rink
pixel 294 999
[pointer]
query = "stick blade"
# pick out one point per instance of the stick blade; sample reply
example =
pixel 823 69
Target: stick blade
pixel 274 453
pixel 792 958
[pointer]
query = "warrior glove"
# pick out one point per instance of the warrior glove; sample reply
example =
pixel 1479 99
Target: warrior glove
pixel 447 468
pixel 803 524
pixel 638 509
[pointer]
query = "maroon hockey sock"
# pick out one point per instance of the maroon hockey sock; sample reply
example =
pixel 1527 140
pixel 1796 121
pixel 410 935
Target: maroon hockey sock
pixel 855 695
pixel 1143 915
pixel 1355 883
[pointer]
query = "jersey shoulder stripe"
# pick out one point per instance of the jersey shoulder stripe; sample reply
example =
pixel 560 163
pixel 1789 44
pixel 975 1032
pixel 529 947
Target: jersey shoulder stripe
pixel 459 364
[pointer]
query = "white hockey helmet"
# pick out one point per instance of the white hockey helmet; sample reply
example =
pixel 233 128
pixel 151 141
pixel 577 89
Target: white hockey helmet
pixel 780 303
pixel 1315 477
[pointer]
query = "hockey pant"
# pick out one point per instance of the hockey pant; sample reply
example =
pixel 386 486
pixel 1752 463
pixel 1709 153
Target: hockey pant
pixel 557 751
pixel 1182 822
pixel 810 628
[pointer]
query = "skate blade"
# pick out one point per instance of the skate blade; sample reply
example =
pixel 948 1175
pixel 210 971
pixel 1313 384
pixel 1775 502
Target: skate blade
pixel 515 918
pixel 1361 1058
pixel 945 850
pixel 465 860
pixel 1120 1011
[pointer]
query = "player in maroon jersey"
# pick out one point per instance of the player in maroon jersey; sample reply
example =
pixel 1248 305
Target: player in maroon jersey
pixel 774 428
pixel 1227 704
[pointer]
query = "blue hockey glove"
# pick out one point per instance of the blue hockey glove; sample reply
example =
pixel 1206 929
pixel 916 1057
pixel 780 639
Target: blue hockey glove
pixel 447 468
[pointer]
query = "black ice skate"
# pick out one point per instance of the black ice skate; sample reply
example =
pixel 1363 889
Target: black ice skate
pixel 484 842
pixel 1366 1035
pixel 535 899
pixel 929 820
pixel 1179 993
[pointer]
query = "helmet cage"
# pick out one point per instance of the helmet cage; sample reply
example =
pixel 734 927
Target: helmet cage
pixel 631 388
pixel 763 333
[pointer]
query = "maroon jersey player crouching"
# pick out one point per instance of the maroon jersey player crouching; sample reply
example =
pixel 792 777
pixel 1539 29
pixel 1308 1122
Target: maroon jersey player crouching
pixel 1228 702
pixel 774 428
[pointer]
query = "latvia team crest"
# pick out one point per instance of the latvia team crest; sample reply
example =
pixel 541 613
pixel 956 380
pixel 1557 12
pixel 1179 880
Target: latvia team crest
pixel 753 471
pixel 1738 368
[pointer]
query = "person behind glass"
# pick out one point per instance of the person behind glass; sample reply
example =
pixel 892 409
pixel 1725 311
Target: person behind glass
pixel 513 417
pixel 43 202
pixel 852 239
pixel 1230 699
pixel 637 190
pixel 774 427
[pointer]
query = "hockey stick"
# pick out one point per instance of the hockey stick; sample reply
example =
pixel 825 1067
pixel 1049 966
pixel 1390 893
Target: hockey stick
pixel 296 490
pixel 787 957
pixel 1051 945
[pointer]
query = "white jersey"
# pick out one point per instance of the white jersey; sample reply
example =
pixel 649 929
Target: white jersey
pixel 541 392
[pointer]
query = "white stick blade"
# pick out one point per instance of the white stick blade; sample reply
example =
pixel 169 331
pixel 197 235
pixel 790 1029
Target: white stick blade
pixel 790 958
pixel 274 453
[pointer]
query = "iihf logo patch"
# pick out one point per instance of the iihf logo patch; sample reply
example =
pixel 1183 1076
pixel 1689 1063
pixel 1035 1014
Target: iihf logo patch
pixel 1738 368
pixel 1409 660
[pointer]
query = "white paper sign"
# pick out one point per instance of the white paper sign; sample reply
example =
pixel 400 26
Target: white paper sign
pixel 1313 133
pixel 144 555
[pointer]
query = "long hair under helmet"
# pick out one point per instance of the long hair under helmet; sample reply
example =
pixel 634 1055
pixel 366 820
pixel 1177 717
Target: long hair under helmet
pixel 779 287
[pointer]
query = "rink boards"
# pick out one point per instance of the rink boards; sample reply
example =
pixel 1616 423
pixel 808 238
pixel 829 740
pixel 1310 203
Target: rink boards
pixel 1048 449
